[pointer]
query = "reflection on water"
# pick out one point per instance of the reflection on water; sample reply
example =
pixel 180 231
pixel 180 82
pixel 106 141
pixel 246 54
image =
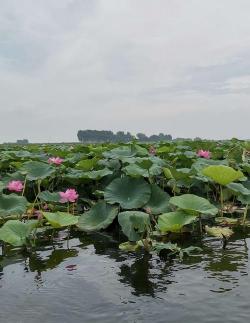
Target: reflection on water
pixel 138 276
pixel 93 265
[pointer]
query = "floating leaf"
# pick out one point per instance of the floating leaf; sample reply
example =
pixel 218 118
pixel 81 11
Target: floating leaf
pixel 12 205
pixel 129 246
pixel 134 224
pixel 222 175
pixel 159 201
pixel 238 188
pixel 36 170
pixel 170 248
pixel 194 203
pixel 60 219
pixel 135 170
pixel 174 221
pixel 219 232
pixel 97 174
pixel 2 186
pixel 100 216
pixel 86 164
pixel 49 196
pixel 16 232
pixel 129 192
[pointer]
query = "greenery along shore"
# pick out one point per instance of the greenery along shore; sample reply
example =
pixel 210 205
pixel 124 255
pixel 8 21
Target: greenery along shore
pixel 156 195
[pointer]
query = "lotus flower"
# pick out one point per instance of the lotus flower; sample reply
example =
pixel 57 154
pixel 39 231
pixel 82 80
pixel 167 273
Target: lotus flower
pixel 15 186
pixel 55 160
pixel 204 154
pixel 69 196
pixel 152 150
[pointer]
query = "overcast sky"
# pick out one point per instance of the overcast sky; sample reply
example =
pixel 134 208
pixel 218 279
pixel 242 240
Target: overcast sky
pixel 172 66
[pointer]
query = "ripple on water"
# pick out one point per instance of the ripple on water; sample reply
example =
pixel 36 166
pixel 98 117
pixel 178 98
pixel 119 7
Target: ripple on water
pixel 93 281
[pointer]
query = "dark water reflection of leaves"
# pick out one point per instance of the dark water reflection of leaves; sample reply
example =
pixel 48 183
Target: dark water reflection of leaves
pixel 143 273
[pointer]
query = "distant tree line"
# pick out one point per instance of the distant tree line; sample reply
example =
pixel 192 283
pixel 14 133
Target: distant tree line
pixel 22 141
pixel 120 136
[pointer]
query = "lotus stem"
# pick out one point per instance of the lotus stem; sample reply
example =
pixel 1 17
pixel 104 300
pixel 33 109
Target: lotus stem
pixel 200 223
pixel 221 200
pixel 245 215
pixel 24 185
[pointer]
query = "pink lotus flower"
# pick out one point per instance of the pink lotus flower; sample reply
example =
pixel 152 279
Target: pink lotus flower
pixel 152 150
pixel 204 154
pixel 15 186
pixel 55 160
pixel 69 196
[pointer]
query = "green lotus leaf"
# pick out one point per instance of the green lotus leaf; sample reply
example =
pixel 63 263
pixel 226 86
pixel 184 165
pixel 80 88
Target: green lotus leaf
pixel 222 175
pixel 119 152
pixel 60 219
pixel 159 201
pixel 129 246
pixel 16 232
pixel 244 199
pixel 140 151
pixel 49 196
pixel 238 188
pixel 86 164
pixel 219 232
pixel 246 168
pixel 135 170
pixel 172 248
pixel 134 224
pixel 12 205
pixel 145 163
pixel 174 221
pixel 2 186
pixel 36 170
pixel 194 203
pixel 100 216
pixel 130 193
pixel 97 174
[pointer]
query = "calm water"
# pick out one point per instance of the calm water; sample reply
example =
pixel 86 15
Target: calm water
pixel 92 281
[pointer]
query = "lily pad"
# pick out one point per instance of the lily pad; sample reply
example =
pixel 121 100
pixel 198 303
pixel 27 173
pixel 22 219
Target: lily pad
pixel 134 224
pixel 219 232
pixel 36 170
pixel 159 201
pixel 194 203
pixel 49 196
pixel 12 205
pixel 60 219
pixel 86 164
pixel 130 193
pixel 222 175
pixel 238 188
pixel 16 232
pixel 100 216
pixel 174 221
pixel 129 246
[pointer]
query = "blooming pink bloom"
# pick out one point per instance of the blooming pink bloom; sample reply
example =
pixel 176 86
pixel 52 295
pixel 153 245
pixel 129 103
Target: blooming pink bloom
pixel 204 154
pixel 152 150
pixel 69 196
pixel 55 160
pixel 15 186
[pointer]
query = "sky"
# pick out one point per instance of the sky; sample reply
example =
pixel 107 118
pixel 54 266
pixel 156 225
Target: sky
pixel 172 66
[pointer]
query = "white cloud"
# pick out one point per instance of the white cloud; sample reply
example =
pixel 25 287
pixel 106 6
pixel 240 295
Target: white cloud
pixel 134 65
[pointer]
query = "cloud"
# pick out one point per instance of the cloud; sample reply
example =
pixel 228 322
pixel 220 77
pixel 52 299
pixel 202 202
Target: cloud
pixel 162 66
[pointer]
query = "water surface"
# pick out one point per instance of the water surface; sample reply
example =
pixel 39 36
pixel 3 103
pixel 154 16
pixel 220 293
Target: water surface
pixel 89 279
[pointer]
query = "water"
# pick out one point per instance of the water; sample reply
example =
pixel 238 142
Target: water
pixel 91 280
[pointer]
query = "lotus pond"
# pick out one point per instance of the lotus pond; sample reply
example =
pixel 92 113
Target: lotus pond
pixel 129 232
